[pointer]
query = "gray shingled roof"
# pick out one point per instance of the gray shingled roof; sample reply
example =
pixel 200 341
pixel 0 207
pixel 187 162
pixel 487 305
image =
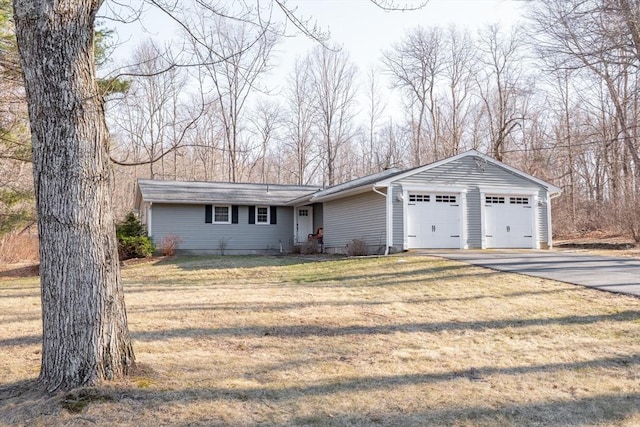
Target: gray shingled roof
pixel 221 192
pixel 360 182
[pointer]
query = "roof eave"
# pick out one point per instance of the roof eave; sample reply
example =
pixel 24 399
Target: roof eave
pixel 550 187
pixel 345 193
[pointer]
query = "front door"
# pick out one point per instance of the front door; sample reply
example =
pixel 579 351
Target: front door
pixel 304 223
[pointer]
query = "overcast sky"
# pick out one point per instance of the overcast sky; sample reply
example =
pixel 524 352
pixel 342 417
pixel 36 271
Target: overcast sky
pixel 362 28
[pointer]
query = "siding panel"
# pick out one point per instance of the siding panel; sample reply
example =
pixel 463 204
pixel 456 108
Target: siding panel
pixel 398 218
pixel 357 217
pixel 188 221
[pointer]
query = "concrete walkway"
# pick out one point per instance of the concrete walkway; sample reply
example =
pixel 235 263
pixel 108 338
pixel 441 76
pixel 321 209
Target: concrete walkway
pixel 621 275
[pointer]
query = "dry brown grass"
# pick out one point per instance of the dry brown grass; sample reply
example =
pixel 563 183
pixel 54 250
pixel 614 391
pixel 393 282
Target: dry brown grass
pixel 402 340
pixel 19 248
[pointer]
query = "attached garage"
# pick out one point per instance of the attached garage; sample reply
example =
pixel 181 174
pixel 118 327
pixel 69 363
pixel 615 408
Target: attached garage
pixel 468 201
pixel 434 220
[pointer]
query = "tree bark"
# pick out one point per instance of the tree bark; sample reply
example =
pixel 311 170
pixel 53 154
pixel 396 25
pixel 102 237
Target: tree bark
pixel 85 333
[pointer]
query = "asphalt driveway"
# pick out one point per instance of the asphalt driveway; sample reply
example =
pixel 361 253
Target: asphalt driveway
pixel 621 275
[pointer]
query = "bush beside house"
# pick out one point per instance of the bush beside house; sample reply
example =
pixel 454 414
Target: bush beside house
pixel 133 241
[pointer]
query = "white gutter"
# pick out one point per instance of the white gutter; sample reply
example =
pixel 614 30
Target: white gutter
pixel 389 219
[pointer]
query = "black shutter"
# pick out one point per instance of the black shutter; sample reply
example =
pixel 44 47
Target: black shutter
pixel 252 214
pixel 234 214
pixel 208 214
pixel 274 216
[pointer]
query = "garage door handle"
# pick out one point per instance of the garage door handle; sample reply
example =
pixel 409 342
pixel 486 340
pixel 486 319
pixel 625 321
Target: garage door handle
pixel 508 229
pixel 433 228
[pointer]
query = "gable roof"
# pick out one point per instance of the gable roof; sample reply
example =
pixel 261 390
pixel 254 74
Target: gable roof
pixel 473 153
pixel 192 192
pixel 355 186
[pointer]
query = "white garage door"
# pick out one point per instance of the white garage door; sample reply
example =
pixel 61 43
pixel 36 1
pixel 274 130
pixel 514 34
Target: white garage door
pixel 508 221
pixel 433 220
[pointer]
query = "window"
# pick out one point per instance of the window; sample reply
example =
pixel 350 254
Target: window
pixel 418 197
pixel 442 198
pixel 262 215
pixel 519 200
pixel 494 200
pixel 221 214
pixel 303 212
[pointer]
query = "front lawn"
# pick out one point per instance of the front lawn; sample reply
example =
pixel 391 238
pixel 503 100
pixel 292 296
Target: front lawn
pixel 398 341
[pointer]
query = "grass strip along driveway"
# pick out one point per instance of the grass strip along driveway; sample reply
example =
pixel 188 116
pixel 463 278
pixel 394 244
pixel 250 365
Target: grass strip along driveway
pixel 248 341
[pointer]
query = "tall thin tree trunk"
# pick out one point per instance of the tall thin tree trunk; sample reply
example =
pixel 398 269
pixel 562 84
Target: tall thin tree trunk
pixel 85 337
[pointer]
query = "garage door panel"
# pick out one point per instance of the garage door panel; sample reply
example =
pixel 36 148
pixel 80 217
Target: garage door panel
pixel 433 220
pixel 508 221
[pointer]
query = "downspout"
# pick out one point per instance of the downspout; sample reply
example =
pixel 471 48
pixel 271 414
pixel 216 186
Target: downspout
pixel 388 218
pixel 149 229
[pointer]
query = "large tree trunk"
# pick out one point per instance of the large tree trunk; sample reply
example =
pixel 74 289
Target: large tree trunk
pixel 85 334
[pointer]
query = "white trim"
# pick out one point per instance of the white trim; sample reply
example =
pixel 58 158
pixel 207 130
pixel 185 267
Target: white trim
pixel 213 214
pixel 426 188
pixel 446 189
pixel 296 225
pixel 511 191
pixel 149 232
pixel 405 219
pixel 498 191
pixel 268 221
pixel 549 187
pixel 464 237
pixel 340 194
pixel 549 229
pixel 389 217
pixel 536 231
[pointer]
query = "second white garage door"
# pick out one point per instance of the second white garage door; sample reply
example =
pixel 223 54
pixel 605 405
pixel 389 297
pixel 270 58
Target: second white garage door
pixel 508 221
pixel 433 220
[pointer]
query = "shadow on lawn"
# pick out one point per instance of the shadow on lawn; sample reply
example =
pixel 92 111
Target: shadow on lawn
pixel 596 410
pixel 25 402
pixel 331 279
pixel 295 331
pixel 270 307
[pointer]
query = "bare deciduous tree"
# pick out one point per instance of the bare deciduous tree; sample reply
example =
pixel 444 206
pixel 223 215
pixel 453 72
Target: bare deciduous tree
pixel 600 39
pixel 415 64
pixel 234 55
pixel 333 82
pixel 376 107
pixel 460 67
pixel 500 85
pixel 150 115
